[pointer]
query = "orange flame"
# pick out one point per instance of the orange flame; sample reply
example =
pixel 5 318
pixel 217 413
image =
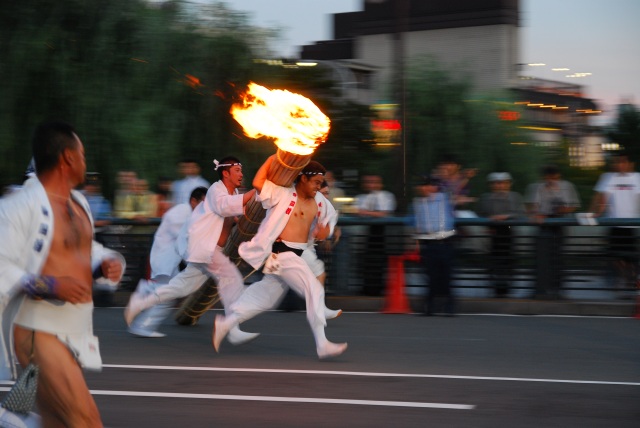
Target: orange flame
pixel 192 81
pixel 294 122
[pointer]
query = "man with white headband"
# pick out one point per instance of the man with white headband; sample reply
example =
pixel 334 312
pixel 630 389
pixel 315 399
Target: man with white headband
pixel 208 229
pixel 293 214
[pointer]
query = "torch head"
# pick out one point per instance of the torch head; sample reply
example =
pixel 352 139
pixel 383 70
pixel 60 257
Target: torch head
pixel 291 120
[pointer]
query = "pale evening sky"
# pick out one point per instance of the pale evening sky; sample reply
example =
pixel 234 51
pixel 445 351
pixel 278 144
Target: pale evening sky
pixel 587 36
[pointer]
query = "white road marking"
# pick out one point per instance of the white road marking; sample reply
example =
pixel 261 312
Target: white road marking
pixel 366 374
pixel 277 399
pixel 288 399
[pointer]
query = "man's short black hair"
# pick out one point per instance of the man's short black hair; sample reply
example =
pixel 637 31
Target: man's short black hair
pixel 92 178
pixel 314 168
pixel 198 193
pixel 230 160
pixel 49 141
pixel 550 170
pixel 429 180
pixel 449 158
pixel 622 153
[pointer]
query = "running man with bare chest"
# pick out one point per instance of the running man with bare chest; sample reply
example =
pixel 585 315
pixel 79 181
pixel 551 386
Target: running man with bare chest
pixel 48 265
pixel 279 243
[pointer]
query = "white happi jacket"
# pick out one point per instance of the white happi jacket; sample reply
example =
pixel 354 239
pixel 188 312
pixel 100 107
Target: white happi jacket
pixel 26 232
pixel 165 257
pixel 205 224
pixel 279 202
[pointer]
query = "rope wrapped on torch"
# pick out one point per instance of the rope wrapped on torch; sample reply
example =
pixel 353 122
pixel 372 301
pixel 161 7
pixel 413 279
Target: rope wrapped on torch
pixel 297 127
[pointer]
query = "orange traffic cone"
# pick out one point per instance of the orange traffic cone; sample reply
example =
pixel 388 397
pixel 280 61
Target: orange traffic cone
pixel 396 301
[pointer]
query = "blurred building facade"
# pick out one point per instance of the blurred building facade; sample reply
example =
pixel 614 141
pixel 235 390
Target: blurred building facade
pixel 479 38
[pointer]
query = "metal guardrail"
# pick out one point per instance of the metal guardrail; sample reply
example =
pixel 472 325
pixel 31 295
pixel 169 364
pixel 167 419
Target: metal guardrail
pixel 537 262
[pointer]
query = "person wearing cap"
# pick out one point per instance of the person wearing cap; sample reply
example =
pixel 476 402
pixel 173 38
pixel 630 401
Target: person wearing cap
pixel 499 205
pixel 432 218
pixel 208 229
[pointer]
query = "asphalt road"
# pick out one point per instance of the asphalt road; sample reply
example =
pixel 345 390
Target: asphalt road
pixel 399 371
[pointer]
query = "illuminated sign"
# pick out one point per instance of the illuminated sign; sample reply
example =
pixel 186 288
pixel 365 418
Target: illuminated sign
pixel 385 125
pixel 508 115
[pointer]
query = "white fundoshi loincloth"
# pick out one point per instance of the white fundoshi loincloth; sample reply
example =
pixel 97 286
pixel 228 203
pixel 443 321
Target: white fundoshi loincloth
pixel 72 324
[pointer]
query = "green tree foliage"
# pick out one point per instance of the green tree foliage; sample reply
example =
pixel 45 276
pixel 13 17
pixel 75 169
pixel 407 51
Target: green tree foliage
pixel 445 116
pixel 148 83
pixel 145 85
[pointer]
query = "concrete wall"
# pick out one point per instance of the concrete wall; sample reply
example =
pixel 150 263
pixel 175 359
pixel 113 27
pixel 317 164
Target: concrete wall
pixel 488 54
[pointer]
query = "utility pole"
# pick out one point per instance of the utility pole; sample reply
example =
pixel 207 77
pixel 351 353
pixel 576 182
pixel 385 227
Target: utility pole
pixel 401 13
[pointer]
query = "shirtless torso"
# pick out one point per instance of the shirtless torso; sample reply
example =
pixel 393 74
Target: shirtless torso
pixel 70 253
pixel 63 396
pixel 300 220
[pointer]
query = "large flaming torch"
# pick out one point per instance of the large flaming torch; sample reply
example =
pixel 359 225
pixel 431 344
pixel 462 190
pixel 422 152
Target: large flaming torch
pixel 297 127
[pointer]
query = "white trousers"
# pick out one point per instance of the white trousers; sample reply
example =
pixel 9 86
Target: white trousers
pixel 276 289
pixel 227 275
pixel 265 294
pixel 149 320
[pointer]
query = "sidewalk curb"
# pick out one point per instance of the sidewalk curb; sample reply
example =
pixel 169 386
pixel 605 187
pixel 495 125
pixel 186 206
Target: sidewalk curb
pixel 465 306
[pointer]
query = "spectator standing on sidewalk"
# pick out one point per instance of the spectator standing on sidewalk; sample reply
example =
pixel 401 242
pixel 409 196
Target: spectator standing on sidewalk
pixel 550 198
pixel 455 181
pixel 433 223
pixel 618 196
pixel 499 205
pixel 375 202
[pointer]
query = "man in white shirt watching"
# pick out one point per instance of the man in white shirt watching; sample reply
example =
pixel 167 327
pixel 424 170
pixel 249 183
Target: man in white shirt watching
pixel 618 196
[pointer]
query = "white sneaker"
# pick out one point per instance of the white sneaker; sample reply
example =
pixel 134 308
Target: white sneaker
pixel 330 349
pixel 9 419
pixel 134 307
pixel 239 337
pixel 220 330
pixel 330 314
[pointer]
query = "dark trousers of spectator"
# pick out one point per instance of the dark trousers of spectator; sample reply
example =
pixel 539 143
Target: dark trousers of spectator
pixel 623 250
pixel 436 257
pixel 501 263
pixel 549 262
pixel 374 261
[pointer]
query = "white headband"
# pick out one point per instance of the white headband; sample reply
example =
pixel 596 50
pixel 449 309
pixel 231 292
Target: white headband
pixel 311 173
pixel 220 165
